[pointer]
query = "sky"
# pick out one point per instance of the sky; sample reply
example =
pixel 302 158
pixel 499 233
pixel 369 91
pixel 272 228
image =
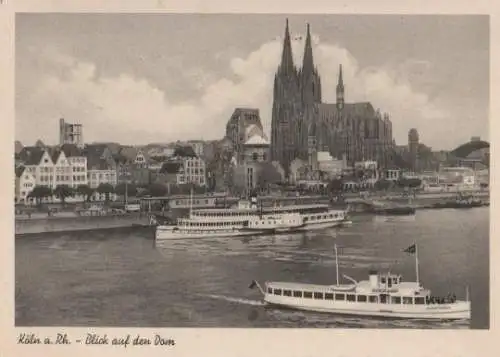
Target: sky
pixel 144 78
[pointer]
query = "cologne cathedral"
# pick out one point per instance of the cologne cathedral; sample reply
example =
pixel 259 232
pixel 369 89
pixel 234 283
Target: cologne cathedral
pixel 302 124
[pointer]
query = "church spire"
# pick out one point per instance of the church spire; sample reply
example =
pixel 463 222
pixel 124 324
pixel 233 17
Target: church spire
pixel 287 57
pixel 340 90
pixel 308 63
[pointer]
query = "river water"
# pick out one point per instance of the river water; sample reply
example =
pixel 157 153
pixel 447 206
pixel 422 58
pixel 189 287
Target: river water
pixel 121 279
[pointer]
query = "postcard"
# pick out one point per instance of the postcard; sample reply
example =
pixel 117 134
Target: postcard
pixel 205 177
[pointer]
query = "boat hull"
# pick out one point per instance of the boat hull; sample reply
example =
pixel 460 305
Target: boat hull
pixel 459 310
pixel 171 233
pixel 164 234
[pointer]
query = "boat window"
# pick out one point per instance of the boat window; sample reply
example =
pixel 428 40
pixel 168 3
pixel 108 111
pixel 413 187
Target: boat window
pixel 419 300
pixel 382 280
pixel 269 290
pixel 340 297
pixel 395 299
pixel 287 292
pixel 328 296
pixel 351 297
pixel 408 300
pixel 318 296
pixel 373 298
pixel 361 298
pixel 277 291
pixel 308 295
pixel 297 294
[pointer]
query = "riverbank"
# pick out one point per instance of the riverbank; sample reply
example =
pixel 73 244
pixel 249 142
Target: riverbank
pixel 27 226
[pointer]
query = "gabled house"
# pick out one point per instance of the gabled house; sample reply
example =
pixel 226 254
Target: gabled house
pixel 24 184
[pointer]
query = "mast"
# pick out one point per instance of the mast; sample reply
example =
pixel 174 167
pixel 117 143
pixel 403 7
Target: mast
pixel 337 264
pixel 191 202
pixel 126 192
pixel 416 263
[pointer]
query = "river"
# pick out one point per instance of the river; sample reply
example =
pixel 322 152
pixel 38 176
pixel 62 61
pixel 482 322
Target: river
pixel 121 279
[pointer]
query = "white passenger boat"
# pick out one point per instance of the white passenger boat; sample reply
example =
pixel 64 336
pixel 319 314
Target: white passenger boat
pixel 382 295
pixel 248 219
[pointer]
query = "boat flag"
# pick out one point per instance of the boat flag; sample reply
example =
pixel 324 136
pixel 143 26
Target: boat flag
pixel 253 284
pixel 412 249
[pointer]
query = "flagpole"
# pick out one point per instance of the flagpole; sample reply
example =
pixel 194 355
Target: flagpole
pixel 416 262
pixel 337 264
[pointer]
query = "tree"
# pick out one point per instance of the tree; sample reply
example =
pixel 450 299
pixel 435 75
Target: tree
pixel 123 188
pixel 85 191
pixel 268 175
pixel 105 188
pixel 40 192
pixel 64 191
pixel 184 151
pixel 383 184
pixel 410 182
pixel 335 186
pixel 157 190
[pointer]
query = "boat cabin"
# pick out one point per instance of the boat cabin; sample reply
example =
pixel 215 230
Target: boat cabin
pixel 379 289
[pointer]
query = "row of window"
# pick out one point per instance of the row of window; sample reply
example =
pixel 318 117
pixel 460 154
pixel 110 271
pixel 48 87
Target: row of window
pixel 322 216
pixel 195 171
pixel 62 178
pixel 210 224
pixel 188 201
pixel 407 300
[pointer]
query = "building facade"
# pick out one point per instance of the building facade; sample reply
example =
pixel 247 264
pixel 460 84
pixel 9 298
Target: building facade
pixel 70 133
pixel 193 171
pixel 237 128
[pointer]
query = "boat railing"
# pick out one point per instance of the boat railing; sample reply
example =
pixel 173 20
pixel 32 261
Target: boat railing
pixel 439 300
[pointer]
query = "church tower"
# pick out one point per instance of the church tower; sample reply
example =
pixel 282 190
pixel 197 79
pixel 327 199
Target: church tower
pixel 310 90
pixel 310 82
pixel 286 113
pixel 312 149
pixel 340 91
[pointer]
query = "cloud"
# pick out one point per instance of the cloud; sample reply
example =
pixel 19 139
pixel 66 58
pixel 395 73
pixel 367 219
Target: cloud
pixel 132 110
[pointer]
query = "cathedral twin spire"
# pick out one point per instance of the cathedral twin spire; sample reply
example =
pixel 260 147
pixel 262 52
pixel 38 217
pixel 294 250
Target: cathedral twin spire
pixel 287 65
pixel 308 74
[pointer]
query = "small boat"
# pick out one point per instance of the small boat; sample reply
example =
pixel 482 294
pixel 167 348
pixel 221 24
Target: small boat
pixel 461 201
pixel 382 295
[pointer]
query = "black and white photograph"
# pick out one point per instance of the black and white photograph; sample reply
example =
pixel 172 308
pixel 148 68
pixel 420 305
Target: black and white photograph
pixel 252 170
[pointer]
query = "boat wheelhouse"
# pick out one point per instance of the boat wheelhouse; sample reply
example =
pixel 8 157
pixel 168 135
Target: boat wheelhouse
pixel 383 295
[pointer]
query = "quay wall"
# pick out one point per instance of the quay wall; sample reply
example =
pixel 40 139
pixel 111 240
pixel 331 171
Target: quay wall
pixel 26 226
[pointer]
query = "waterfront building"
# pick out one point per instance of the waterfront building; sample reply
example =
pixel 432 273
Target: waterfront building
pixel 51 168
pixel 100 171
pixel 392 174
pixel 24 184
pixel 198 147
pixel 244 122
pixel 256 146
pixel 413 146
pixel 298 171
pixel 70 166
pixel 133 156
pixel 181 171
pixel 329 166
pixel 70 133
pixel 355 130
pixel 193 171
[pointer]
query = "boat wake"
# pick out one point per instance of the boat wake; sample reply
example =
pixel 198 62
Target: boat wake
pixel 235 300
